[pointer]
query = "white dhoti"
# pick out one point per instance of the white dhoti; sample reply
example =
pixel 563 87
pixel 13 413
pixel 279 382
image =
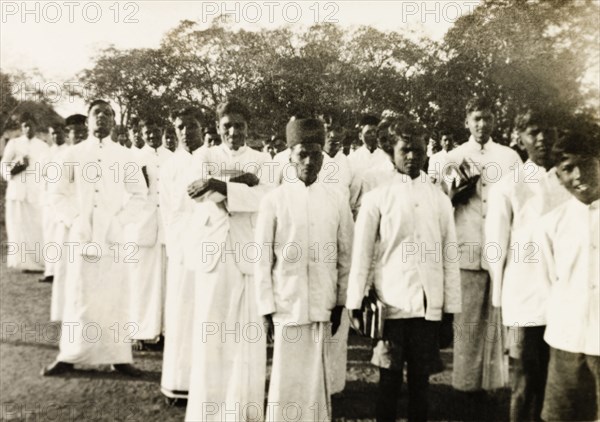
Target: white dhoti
pixel 338 355
pixel 179 329
pixel 50 232
pixel 229 352
pixel 299 387
pixel 95 327
pixel 57 304
pixel 146 284
pixel 25 235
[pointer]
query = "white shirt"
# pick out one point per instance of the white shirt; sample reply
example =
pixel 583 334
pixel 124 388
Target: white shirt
pixel 229 222
pixel 412 219
pixel 436 165
pixel 175 204
pixel 305 235
pixel 336 172
pixel 108 191
pixel 516 206
pixel 493 162
pixel 569 254
pixel 361 160
pixel 149 227
pixel 29 185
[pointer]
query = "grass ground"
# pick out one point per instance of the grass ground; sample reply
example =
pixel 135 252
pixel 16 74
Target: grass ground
pixel 28 341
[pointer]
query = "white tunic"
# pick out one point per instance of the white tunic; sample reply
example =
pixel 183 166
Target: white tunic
pixel 569 254
pixel 52 231
pixel 107 193
pixel 306 236
pixel 229 367
pixel 60 207
pixel 147 274
pixel 24 202
pixel 176 210
pixel 516 206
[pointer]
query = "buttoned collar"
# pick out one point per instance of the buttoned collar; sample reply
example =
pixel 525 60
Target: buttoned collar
pixel 473 144
pixel 230 152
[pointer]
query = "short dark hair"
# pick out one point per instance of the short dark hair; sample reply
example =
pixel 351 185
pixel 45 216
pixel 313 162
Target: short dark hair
pixel 27 117
pixel 581 141
pixel 151 121
pixel 532 116
pixel 100 101
pixel 189 111
pixel 368 119
pixel 479 104
pixel 209 130
pixel 233 106
pixel 408 130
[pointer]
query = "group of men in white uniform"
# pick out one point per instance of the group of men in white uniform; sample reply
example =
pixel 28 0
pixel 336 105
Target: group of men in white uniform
pixel 239 248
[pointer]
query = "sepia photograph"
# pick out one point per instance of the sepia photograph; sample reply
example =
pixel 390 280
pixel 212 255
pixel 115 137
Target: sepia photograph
pixel 300 211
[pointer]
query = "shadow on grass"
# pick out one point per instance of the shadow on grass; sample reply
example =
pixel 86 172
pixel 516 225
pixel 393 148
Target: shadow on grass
pixel 358 402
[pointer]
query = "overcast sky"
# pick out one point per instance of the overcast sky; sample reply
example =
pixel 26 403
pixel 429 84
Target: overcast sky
pixel 61 38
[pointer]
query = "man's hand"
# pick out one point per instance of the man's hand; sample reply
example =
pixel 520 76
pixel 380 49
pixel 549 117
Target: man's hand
pixel 269 327
pixel 198 188
pixel 336 319
pixel 146 178
pixel 20 166
pixel 248 179
pixel 356 320
pixel 461 193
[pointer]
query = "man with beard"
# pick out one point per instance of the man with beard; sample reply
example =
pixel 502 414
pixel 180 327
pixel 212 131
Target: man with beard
pixel 176 209
pixel 304 297
pixel 108 195
pixel 22 167
pixel 76 130
pixel 229 366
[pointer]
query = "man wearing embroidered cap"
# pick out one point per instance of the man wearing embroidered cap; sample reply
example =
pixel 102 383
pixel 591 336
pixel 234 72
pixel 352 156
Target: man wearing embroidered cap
pixel 305 230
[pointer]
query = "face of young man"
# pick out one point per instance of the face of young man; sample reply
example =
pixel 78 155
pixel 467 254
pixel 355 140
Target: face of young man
pixel 57 135
pixel 385 141
pixel 101 120
pixel 409 155
pixel 333 141
pixel 188 133
pixel 308 160
pixel 446 143
pixel 151 135
pixel 77 133
pixel 538 143
pixel 580 176
pixel 368 135
pixel 212 139
pixel 28 129
pixel 233 130
pixel 170 142
pixel 481 124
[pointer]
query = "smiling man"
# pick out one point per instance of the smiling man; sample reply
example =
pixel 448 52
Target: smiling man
pixel 229 364
pixel 568 242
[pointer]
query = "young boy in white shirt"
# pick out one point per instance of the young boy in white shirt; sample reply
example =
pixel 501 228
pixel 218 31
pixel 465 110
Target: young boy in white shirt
pixel 516 205
pixel 568 242
pixel 419 278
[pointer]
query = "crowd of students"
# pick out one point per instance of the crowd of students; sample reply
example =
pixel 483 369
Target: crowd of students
pixel 187 235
